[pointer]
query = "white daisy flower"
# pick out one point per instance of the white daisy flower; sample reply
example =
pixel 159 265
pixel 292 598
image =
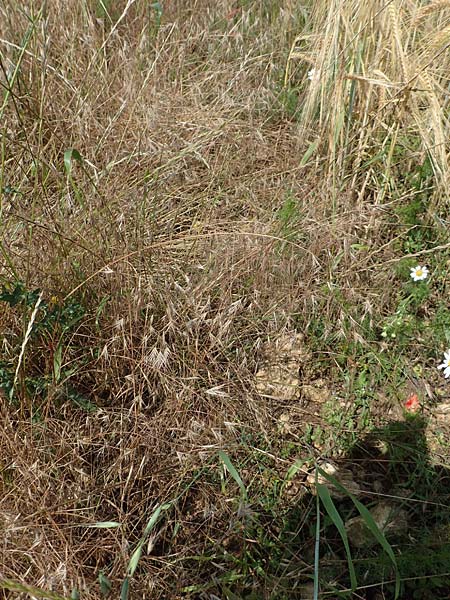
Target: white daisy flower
pixel 446 364
pixel 314 74
pixel 419 273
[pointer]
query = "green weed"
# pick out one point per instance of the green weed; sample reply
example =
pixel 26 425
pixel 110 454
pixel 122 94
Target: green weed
pixel 44 344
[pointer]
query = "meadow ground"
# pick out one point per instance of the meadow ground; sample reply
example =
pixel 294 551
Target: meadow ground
pixel 218 375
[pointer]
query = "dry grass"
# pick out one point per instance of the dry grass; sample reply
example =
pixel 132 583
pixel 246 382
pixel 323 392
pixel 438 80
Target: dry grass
pixel 165 227
pixel 383 76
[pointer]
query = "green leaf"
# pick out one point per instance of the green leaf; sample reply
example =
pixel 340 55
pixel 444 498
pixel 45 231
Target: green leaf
pixel 381 539
pixel 100 309
pixel 299 465
pixel 105 584
pixel 81 401
pixel 317 549
pixel 124 589
pixel 327 501
pixel 157 7
pixel 232 471
pixel 229 594
pixel 371 525
pixel 13 298
pixel 105 525
pixel 57 357
pixel 134 560
pixel 14 586
pixel 309 152
pixel 70 154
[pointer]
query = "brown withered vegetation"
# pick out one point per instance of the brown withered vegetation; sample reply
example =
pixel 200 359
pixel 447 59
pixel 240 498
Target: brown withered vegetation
pixel 155 177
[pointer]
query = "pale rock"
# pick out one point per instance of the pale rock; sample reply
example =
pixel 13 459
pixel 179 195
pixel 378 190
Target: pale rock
pixel 389 519
pixel 278 377
pixel 315 393
pixel 342 476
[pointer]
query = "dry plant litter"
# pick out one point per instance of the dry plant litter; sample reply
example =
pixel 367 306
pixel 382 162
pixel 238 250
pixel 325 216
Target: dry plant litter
pixel 209 215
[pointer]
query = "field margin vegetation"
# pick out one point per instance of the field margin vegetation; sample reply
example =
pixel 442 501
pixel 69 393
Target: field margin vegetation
pixel 218 377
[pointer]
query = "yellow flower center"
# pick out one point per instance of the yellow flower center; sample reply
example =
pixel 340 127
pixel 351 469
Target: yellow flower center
pixel 419 272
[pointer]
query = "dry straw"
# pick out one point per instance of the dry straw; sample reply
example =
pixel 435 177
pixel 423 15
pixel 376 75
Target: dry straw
pixel 25 340
pixel 383 69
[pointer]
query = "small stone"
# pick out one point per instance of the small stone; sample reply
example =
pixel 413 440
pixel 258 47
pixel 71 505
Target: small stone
pixel 343 476
pixel 315 394
pixel 389 520
pixel 277 381
pixel 442 409
pixel 285 422
pixel 307 591
pixel 294 489
pixel 278 376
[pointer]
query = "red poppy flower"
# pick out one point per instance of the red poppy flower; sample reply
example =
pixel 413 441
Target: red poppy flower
pixel 412 404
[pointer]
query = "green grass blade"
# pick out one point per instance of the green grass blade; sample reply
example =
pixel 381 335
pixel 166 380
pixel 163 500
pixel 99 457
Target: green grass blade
pixel 309 152
pixel 134 560
pixel 317 549
pixel 229 595
pixel 57 358
pixel 381 539
pixel 371 525
pixel 105 525
pixel 327 501
pixel 155 517
pixel 232 471
pixel 14 586
pixel 70 154
pixel 105 584
pixel 124 589
pixel 11 81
